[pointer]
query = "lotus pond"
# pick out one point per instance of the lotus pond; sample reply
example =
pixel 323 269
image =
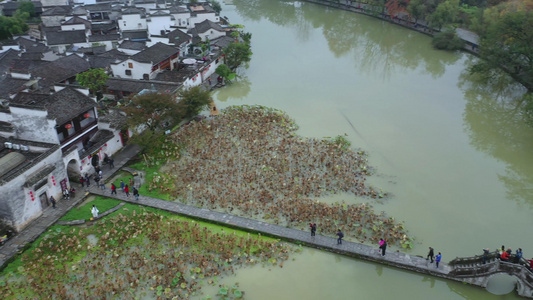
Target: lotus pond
pixel 249 161
pixel 135 253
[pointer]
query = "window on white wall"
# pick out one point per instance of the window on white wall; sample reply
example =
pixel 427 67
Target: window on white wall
pixel 128 72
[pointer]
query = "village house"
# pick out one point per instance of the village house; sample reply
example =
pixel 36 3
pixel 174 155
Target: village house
pixel 60 129
pixel 147 63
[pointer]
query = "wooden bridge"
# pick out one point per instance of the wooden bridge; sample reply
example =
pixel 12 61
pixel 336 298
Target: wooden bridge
pixel 472 270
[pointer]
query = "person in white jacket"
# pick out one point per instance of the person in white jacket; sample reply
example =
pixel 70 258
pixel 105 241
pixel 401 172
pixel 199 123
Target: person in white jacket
pixel 95 211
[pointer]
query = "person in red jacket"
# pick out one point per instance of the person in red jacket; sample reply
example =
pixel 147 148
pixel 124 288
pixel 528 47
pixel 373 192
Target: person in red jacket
pixel 530 264
pixel 127 190
pixel 504 256
pixel 113 189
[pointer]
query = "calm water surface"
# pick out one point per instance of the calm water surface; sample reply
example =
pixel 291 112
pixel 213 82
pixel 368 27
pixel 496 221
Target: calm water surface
pixel 454 154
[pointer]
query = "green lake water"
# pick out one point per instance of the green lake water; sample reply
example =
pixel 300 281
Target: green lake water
pixel 454 155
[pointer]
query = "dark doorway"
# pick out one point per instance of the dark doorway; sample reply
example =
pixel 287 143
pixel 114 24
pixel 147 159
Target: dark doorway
pixel 44 200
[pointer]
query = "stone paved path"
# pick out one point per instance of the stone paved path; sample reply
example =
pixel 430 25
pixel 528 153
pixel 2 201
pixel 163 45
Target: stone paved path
pixel 397 259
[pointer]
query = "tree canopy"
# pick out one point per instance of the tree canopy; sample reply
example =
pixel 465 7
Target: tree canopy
pixel 193 100
pixel 93 79
pixel 237 53
pixel 152 111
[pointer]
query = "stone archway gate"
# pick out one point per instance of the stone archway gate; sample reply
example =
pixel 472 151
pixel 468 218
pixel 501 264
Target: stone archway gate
pixel 471 270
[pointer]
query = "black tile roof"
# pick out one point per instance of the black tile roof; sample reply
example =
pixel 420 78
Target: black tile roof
pixel 6 60
pixel 61 10
pixel 61 106
pixel 104 27
pixel 178 37
pixel 9 8
pixel 10 85
pixel 135 35
pixel 77 20
pixel 133 11
pixel 31 45
pixel 98 7
pixel 206 25
pixel 132 45
pixel 31 55
pixel 26 65
pixel 155 54
pixel 60 70
pixel 65 37
pixel 222 42
pixel 104 37
pixel 135 86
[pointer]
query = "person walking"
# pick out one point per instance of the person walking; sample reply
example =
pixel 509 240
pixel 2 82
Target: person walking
pixel 111 163
pixel 53 201
pixel 102 185
pixel 485 257
pixel 122 185
pixel 340 235
pixel 384 248
pixel 127 190
pixel 431 255
pixel 437 259
pixel 113 189
pixel 87 180
pixel 97 181
pixel 313 229
pixel 82 181
pixel 95 212
pixel 136 193
pixel 381 242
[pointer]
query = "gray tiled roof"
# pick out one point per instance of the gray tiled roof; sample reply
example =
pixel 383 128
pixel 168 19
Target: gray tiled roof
pixel 155 54
pixel 98 7
pixel 104 37
pixel 11 85
pixel 77 20
pixel 60 70
pixel 467 35
pixel 132 45
pixel 58 11
pixel 222 41
pixel 31 55
pixel 6 60
pixel 178 37
pixel 104 27
pixel 65 37
pixel 206 25
pixel 26 65
pixel 179 10
pixel 135 86
pixel 135 35
pixel 61 106
pixel 32 46
pixel 133 11
pixel 105 59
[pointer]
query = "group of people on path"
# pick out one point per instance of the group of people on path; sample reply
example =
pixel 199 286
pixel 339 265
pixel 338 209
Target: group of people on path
pixel 126 189
pixel 431 257
pixel 506 255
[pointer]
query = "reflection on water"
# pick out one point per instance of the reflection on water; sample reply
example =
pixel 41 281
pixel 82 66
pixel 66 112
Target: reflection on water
pixel 316 274
pixel 498 122
pixel 235 90
pixel 453 152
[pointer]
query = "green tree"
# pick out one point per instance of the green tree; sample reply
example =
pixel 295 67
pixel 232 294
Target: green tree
pixel 216 6
pixel 508 43
pixel 193 100
pixel 153 110
pixel 27 7
pixel 225 72
pixel 447 40
pixel 417 9
pixel 446 13
pixel 237 53
pixel 93 79
pixel 10 26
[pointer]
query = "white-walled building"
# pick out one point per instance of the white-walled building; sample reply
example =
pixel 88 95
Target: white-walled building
pixel 132 19
pixel 207 30
pixel 147 63
pixel 159 23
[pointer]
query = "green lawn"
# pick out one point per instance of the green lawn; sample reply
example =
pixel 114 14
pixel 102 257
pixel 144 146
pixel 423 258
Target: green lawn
pixel 84 212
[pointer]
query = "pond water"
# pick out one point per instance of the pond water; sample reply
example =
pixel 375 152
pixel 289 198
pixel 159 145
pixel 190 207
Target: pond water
pixel 453 154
